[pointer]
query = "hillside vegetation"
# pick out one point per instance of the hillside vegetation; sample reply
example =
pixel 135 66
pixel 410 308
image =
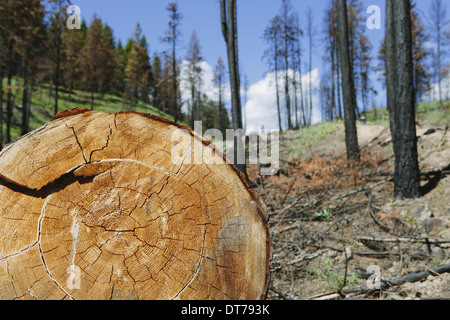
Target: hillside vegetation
pixel 42 102
pixel 332 222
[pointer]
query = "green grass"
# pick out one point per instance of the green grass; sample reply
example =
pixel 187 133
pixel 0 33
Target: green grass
pixel 298 143
pixel 378 116
pixel 428 111
pixel 311 135
pixel 334 279
pixel 42 105
pixel 432 112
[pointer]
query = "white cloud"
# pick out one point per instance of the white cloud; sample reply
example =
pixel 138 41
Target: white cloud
pixel 261 107
pixel 207 85
pixel 433 92
pixel 315 81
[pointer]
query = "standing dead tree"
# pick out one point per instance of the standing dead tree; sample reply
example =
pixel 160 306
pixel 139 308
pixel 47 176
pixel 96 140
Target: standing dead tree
pixel 272 55
pixel 228 14
pixel 172 37
pixel 401 98
pixel 348 87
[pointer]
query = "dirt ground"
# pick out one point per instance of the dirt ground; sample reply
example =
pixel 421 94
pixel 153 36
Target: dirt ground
pixel 336 227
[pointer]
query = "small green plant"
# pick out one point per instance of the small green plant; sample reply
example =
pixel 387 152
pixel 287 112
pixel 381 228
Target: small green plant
pixel 326 214
pixel 334 279
pixel 410 220
pixel 436 261
pixel 356 243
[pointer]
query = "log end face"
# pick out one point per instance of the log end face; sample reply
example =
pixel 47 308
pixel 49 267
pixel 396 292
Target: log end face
pixel 125 219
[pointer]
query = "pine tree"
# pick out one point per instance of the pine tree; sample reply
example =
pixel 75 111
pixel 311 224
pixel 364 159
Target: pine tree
pixel 272 35
pixel 97 59
pixel 332 57
pixel 311 33
pixel 287 39
pixel 420 53
pixel 157 81
pixel 359 50
pixel 146 66
pixel 10 24
pixel 166 86
pixel 296 56
pixel 349 93
pixel 219 83
pixel 420 37
pixel 3 58
pixel 31 43
pixel 137 70
pixel 364 66
pixel 172 37
pixel 193 77
pixel 441 36
pixel 72 44
pixel 56 31
pixel 119 72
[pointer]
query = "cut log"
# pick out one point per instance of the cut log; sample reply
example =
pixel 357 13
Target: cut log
pixel 93 206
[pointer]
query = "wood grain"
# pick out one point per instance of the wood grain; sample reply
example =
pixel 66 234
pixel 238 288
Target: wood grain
pixel 93 207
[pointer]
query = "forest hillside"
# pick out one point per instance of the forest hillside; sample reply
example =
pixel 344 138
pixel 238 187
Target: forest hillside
pixel 331 221
pixel 333 224
pixel 357 95
pixel 42 108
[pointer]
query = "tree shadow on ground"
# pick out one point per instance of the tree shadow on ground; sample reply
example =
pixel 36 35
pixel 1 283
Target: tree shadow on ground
pixel 434 180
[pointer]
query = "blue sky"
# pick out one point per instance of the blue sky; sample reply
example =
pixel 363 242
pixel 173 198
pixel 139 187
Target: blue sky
pixel 203 16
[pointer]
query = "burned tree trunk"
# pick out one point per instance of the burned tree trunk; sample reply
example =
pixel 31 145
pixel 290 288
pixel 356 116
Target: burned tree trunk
pixel 112 206
pixel 348 84
pixel 401 98
pixel 228 15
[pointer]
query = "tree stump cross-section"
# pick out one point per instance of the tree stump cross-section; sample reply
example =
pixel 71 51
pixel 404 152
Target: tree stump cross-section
pixel 92 206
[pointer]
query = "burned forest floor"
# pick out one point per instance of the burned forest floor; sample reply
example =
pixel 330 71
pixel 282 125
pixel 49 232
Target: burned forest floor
pixel 337 231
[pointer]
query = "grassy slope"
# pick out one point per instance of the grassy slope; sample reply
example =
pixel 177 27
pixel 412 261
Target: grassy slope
pixel 42 105
pixel 426 111
pixel 294 144
pixel 42 112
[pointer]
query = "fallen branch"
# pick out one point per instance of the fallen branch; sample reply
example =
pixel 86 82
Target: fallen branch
pixel 361 253
pixel 421 240
pixel 412 277
pixel 377 221
pixel 365 189
pixel 426 174
pixel 443 138
pixel 325 296
pixel 310 257
pixel 278 293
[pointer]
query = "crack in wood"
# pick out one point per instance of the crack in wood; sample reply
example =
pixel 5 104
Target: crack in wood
pixel 78 142
pixel 66 179
pixel 18 253
pixel 11 277
pixel 41 254
pixel 199 264
pixel 104 147
pixel 140 255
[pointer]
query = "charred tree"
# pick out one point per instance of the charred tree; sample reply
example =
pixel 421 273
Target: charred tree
pixel 348 86
pixel 228 13
pixel 401 98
